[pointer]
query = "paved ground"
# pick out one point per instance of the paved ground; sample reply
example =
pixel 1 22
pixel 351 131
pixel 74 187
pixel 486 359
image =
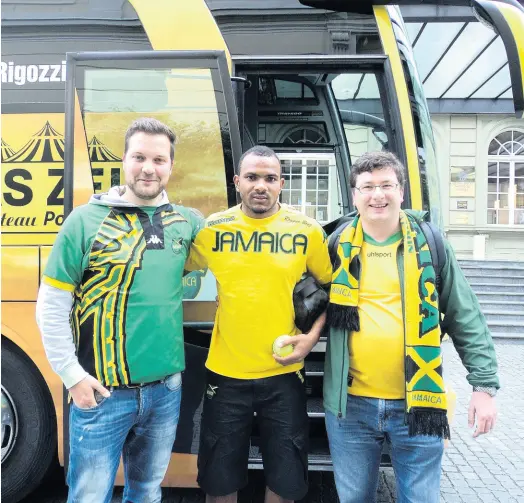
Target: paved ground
pixel 488 469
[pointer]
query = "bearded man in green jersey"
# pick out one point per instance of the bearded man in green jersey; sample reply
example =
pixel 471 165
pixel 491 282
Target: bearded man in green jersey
pixel 110 313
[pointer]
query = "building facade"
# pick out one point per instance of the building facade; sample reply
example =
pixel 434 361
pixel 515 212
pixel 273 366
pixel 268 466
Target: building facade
pixel 481 167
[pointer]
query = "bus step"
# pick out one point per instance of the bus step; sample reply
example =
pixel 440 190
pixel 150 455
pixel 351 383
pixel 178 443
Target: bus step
pixel 320 346
pixel 317 461
pixel 314 369
pixel 255 458
pixel 315 407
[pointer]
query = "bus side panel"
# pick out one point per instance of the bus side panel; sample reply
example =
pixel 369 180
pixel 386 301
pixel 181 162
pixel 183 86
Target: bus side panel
pixel 32 178
pixel 425 143
pixel 19 326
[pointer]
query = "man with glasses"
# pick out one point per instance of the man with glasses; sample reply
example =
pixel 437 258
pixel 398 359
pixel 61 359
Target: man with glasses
pixel 383 372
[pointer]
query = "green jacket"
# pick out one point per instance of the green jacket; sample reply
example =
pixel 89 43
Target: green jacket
pixel 463 322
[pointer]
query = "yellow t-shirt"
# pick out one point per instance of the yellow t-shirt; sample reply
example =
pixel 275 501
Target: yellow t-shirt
pixel 257 263
pixel 376 353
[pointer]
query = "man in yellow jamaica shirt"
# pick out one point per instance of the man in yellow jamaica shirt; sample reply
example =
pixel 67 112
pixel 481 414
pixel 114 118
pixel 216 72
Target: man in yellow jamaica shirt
pixel 383 373
pixel 257 251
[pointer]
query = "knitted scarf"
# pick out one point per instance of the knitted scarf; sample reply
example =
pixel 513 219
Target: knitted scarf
pixel 426 403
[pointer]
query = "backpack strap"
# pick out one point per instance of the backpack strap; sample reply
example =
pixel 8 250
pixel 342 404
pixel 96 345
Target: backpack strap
pixel 334 239
pixel 334 229
pixel 437 249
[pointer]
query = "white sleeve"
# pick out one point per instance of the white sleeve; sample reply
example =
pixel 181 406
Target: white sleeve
pixel 53 308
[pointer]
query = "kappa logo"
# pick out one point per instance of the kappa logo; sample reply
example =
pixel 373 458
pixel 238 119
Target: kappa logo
pixel 211 391
pixel 155 240
pixel 177 245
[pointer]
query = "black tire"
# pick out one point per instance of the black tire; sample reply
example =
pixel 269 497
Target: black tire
pixel 35 447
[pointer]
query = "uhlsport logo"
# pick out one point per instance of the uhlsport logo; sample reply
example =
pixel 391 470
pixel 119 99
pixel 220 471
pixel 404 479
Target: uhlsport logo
pixel 380 254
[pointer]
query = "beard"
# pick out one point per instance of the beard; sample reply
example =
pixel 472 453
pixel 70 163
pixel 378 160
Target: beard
pixel 147 193
pixel 259 208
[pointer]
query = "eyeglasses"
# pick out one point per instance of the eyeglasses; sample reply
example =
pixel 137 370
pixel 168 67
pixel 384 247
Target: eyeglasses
pixel 384 187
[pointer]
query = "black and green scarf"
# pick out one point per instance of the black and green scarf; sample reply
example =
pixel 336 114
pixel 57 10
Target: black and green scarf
pixel 426 403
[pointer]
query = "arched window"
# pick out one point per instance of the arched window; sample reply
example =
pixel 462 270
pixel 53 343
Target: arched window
pixel 506 179
pixel 305 134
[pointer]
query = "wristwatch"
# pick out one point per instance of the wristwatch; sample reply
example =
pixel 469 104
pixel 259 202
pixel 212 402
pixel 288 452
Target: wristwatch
pixel 490 390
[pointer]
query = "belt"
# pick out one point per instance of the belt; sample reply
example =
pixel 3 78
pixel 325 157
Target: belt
pixel 136 386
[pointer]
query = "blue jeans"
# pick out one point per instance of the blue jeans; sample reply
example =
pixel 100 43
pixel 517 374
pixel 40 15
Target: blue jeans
pixel 139 424
pixel 356 445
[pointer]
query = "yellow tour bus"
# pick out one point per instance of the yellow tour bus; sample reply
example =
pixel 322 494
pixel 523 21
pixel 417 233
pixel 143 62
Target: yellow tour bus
pixel 72 85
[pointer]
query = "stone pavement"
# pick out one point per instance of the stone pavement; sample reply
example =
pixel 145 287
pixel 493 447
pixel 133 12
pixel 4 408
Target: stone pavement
pixel 487 469
pixel 491 467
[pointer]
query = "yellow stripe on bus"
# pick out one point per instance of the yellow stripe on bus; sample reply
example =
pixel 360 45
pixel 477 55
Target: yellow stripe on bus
pixel 180 25
pixel 58 284
pixel 389 44
pixel 515 19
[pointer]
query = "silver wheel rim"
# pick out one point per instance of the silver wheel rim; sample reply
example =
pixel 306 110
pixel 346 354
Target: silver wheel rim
pixel 9 424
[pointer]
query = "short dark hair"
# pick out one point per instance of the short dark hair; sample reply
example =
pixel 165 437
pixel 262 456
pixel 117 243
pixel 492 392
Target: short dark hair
pixel 260 151
pixel 371 161
pixel 149 125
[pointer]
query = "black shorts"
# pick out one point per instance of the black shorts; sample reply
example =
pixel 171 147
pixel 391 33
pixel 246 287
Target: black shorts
pixel 227 420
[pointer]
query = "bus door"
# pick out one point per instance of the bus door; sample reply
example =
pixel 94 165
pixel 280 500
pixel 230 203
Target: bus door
pixel 319 114
pixel 321 111
pixel 191 92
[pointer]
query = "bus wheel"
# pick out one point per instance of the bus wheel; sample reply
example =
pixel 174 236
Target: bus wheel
pixel 29 442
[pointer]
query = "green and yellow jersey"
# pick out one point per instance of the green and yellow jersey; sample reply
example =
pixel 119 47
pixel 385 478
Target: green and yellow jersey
pixel 124 265
pixel 257 263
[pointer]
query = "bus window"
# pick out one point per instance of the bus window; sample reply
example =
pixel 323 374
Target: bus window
pixel 319 117
pixel 361 111
pixel 186 99
pixel 290 114
pixel 273 91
